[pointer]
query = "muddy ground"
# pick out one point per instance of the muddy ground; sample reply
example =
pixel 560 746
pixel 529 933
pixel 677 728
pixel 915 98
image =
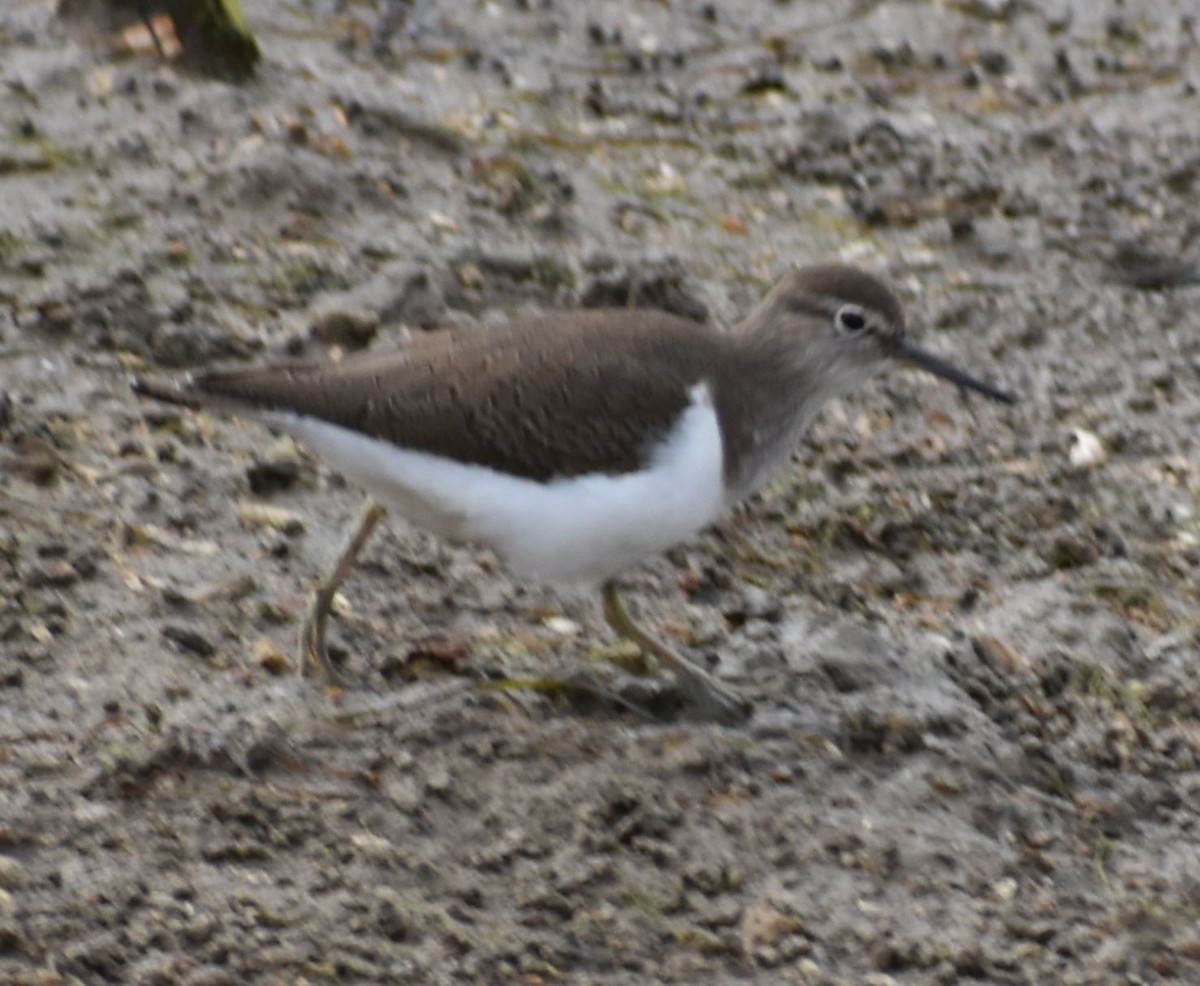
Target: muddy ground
pixel 971 632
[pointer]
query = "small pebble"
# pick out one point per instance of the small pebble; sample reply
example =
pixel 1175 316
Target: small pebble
pixel 1087 451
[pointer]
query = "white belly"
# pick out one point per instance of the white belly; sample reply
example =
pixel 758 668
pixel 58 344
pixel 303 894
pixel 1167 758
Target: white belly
pixel 586 528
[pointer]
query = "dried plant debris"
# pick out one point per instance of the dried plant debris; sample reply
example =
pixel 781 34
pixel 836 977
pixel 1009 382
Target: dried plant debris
pixel 209 36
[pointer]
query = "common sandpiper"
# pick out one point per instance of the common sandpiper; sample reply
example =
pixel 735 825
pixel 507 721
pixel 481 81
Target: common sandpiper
pixel 577 444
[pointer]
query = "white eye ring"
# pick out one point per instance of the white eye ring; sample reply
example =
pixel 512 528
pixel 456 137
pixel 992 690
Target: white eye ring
pixel 850 318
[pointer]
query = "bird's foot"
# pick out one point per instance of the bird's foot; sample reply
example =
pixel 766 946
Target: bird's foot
pixel 312 652
pixel 704 698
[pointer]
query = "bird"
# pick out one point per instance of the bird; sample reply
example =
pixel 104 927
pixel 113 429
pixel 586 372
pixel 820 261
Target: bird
pixel 577 444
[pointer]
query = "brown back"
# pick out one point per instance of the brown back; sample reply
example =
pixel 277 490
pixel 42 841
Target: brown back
pixel 562 395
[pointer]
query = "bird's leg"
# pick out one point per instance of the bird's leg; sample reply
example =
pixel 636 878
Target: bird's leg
pixel 707 697
pixel 312 635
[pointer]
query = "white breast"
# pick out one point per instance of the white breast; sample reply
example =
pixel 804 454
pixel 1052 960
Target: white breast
pixel 586 528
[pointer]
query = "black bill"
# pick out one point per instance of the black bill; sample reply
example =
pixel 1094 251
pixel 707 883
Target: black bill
pixel 948 371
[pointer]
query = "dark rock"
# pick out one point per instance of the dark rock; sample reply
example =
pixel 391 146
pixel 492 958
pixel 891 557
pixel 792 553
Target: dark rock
pixel 189 640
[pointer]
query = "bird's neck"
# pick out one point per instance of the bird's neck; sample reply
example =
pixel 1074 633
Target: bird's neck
pixel 771 399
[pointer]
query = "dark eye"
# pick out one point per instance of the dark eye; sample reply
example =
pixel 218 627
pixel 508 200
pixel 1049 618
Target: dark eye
pixel 850 318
